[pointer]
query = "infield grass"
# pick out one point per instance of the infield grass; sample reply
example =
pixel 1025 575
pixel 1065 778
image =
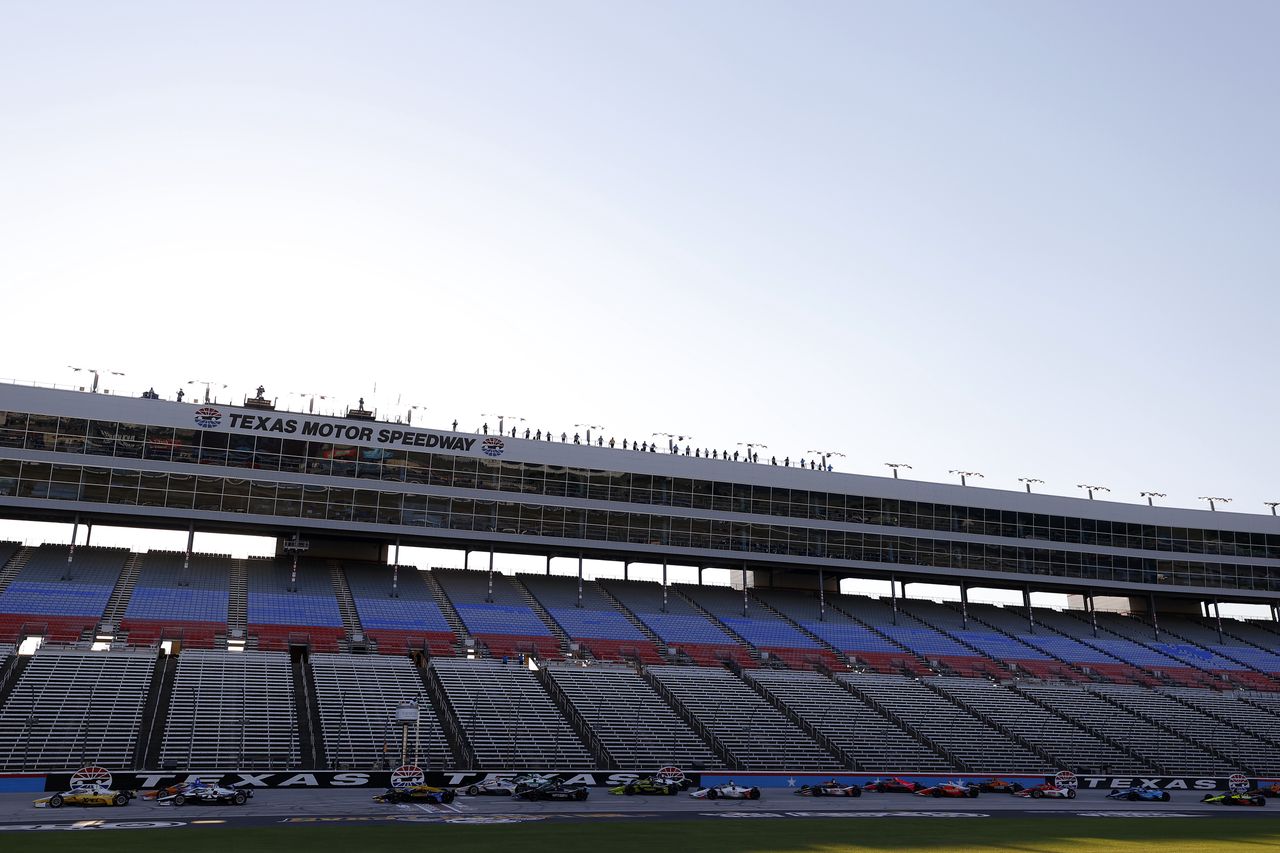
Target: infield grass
pixel 759 835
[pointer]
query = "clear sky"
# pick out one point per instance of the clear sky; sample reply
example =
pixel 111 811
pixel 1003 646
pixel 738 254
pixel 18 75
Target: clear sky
pixel 1026 239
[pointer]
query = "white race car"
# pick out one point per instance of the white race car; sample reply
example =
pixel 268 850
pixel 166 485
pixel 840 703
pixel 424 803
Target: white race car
pixel 1048 789
pixel 729 790
pixel 507 787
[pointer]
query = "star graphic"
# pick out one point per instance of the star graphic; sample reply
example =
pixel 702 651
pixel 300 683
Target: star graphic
pixel 791 782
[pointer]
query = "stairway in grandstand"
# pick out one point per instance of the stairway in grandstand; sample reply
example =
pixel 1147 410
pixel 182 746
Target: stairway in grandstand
pixel 464 642
pixel 12 558
pixel 532 602
pixel 355 638
pixel 120 594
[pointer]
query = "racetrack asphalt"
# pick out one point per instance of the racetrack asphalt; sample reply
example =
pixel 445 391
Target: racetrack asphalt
pixel 274 807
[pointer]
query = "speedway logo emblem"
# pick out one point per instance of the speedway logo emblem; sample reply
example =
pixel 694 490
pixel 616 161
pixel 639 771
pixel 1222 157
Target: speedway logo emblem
pixel 492 447
pixel 207 417
pixel 91 775
pixel 407 776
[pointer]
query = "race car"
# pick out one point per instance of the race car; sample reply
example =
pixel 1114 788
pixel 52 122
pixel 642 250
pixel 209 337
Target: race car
pixel 554 789
pixel 830 788
pixel 649 785
pixel 506 787
pixel 201 793
pixel 949 789
pixel 892 786
pixel 416 794
pixel 996 785
pixel 1272 790
pixel 1236 798
pixel 728 791
pixel 1138 792
pixel 1048 789
pixel 86 795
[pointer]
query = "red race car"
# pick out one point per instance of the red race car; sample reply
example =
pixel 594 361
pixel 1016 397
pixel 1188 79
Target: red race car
pixel 949 789
pixel 895 785
pixel 1048 789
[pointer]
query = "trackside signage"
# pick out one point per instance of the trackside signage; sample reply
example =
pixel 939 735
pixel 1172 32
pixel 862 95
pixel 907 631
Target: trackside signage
pixel 336 779
pixel 210 418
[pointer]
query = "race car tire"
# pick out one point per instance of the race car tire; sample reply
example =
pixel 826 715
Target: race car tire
pixel 1133 795
pixel 1164 796
pixel 447 796
pixel 120 800
pixel 239 798
pixel 855 791
pixel 972 792
pixel 55 802
pixel 817 791
pixel 937 792
pixel 753 794
pixel 1015 787
pixel 712 793
pixel 473 791
pixel 580 795
pixel 1035 795
pixel 1071 793
pixel 629 790
pixel 179 800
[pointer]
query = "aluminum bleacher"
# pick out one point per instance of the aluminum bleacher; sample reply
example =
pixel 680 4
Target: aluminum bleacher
pixel 1068 744
pixel 399 616
pixel 500 618
pixel 174 602
pixel 766 630
pixel 977 745
pixel 680 625
pixel 594 622
pixel 57 598
pixel 868 740
pixel 358 696
pixel 72 707
pixel 1239 711
pixel 756 734
pixel 506 716
pixel 1158 747
pixel 635 726
pixel 282 612
pixel 231 710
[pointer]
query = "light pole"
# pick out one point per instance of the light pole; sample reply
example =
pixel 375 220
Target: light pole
pixel 1027 481
pixel 587 428
pixel 409 417
pixel 895 466
pixel 1272 504
pixel 1213 501
pixel 1151 495
pixel 965 475
pixel 1091 489
pixel 827 454
pixel 502 421
pixel 207 383
pixel 95 371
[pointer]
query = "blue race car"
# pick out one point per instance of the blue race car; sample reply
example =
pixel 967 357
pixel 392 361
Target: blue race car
pixel 1139 793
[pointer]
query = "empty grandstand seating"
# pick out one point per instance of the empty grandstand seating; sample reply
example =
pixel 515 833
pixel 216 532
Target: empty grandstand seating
pixel 833 626
pixel 174 602
pixel 1068 744
pixel 680 625
pixel 756 734
pixel 1196 641
pixel 500 619
pixel 975 744
pixel 760 626
pixel 919 639
pixel 72 707
pixel 283 612
pixel 506 716
pixel 636 727
pixel 59 599
pixel 1159 747
pixel 401 618
pixel 1240 711
pixel 231 709
pixel 596 624
pixel 358 696
pixel 867 739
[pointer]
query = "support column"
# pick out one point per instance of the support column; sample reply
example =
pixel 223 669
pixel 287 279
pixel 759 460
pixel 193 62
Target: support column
pixel 893 596
pixel 579 580
pixel 397 559
pixel 548 565
pixel 626 570
pixel 1093 612
pixel 744 590
pixel 700 568
pixel 1155 620
pixel 822 597
pixel 88 533
pixel 964 604
pixel 191 538
pixel 664 584
pixel 489 597
pixel 1217 614
pixel 1026 599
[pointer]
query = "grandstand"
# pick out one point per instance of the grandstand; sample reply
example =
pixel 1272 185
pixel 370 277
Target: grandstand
pixel 179 661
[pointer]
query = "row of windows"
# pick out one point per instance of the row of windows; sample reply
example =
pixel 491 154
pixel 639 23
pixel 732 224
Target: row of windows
pixel 127 487
pixel 167 444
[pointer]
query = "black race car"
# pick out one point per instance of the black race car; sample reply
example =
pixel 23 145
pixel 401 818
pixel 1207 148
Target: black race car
pixel 649 785
pixel 554 789
pixel 1236 798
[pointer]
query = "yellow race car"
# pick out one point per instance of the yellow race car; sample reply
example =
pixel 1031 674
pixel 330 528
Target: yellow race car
pixel 88 795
